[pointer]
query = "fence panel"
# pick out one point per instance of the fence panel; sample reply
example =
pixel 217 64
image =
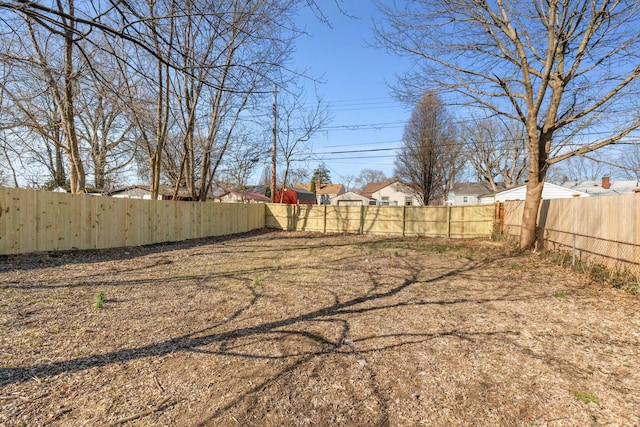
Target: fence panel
pixel 471 221
pixel 512 221
pixel 435 221
pixel 32 221
pixel 383 220
pixel 596 230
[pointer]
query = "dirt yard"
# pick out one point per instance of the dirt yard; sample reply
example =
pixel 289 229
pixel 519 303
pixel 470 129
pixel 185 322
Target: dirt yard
pixel 290 329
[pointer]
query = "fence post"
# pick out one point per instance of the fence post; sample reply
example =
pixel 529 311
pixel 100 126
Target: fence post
pixel 404 219
pixel 361 228
pixel 499 218
pixel 448 221
pixel 324 220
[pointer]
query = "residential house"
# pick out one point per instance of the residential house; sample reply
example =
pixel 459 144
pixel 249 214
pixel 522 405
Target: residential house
pixel 394 193
pixel 549 191
pixel 604 187
pixel 242 197
pixel 472 193
pixel 324 192
pixel 165 192
pixel 350 199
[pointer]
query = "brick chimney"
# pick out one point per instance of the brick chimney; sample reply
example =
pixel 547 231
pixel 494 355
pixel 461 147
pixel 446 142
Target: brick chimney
pixel 605 182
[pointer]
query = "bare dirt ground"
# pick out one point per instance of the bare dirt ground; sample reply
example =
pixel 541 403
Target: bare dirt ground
pixel 290 329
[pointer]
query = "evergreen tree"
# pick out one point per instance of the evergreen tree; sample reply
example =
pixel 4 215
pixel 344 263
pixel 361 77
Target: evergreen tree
pixel 321 173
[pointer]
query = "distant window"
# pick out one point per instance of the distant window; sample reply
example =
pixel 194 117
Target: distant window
pixel 408 201
pixel 465 199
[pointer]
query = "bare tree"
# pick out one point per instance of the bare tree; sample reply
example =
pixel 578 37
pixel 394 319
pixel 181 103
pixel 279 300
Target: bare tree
pixel 189 70
pixel 5 125
pixel 33 132
pixel 494 148
pixel 43 90
pixel 369 176
pixel 105 131
pixel 558 67
pixel 423 161
pixel 244 156
pixel 221 59
pixel 629 162
pixel 298 121
pixel 209 114
pixel 580 168
pixel 295 175
pixel 61 82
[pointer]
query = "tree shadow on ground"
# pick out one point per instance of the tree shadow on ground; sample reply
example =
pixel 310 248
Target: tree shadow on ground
pixel 202 338
pixel 208 341
pixel 50 259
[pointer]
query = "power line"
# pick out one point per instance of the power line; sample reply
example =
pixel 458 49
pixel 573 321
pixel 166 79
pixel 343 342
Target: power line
pixel 369 150
pixel 374 126
pixel 357 157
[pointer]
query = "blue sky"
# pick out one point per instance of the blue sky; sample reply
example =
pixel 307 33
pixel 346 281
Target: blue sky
pixel 356 78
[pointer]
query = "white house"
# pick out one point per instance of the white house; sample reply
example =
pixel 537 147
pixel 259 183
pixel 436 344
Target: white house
pixel 393 193
pixel 549 191
pixel 472 193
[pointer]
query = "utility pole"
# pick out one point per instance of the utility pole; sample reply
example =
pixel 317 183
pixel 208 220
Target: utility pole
pixel 273 143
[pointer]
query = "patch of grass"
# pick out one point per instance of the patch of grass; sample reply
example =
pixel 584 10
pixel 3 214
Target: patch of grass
pixel 256 282
pixel 560 294
pixel 587 398
pixel 440 249
pixel 98 300
pixel 598 273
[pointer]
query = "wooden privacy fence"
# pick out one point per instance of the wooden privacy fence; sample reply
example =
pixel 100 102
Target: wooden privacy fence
pixel 32 221
pixel 603 230
pixel 434 221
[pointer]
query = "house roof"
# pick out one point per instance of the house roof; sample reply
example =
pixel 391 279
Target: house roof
pixel 247 195
pixel 595 188
pixel 372 187
pixel 476 189
pixel 324 188
pixel 549 191
pixel 164 190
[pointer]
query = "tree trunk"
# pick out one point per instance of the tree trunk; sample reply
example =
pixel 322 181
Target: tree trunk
pixel 59 175
pixel 537 172
pixel 530 214
pixel 68 116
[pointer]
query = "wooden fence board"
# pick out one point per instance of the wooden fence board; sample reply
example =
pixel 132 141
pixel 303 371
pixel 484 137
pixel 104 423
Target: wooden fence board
pixel 432 222
pixel 472 221
pixel 383 220
pixel 603 230
pixel 32 220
